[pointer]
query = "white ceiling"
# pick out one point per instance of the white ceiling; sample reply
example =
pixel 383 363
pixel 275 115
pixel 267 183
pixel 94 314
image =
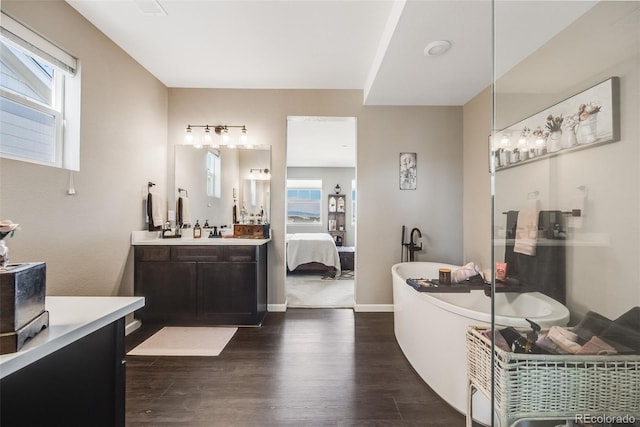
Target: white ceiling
pixel 373 45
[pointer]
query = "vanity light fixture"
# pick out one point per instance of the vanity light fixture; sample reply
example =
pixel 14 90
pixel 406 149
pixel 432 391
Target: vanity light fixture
pixel 263 174
pixel 222 130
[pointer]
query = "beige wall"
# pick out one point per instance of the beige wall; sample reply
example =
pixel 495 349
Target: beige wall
pixel 602 254
pixel 85 239
pixel 435 133
pixel 130 123
pixel 477 180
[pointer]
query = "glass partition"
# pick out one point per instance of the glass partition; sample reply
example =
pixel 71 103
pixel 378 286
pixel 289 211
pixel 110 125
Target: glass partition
pixel 565 163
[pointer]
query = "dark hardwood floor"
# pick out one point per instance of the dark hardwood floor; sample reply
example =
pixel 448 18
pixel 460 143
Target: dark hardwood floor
pixel 305 367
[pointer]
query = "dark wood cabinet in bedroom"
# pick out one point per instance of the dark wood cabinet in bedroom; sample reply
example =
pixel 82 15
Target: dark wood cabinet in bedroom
pixel 202 285
pixel 336 218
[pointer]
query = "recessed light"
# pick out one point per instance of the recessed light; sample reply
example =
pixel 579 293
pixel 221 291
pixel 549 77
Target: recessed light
pixel 437 48
pixel 150 7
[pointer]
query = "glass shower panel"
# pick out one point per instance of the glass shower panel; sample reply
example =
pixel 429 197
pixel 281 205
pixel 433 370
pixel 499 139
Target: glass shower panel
pixel 565 156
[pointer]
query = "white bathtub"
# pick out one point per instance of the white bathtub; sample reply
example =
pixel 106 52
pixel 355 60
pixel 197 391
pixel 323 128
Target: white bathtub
pixel 430 328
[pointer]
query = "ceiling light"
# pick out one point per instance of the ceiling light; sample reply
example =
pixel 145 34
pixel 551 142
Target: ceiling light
pixel 437 48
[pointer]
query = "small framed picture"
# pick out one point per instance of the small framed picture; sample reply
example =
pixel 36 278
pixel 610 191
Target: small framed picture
pixel 408 171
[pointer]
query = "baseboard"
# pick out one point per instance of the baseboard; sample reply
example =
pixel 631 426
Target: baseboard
pixel 362 308
pixel 277 307
pixel 130 327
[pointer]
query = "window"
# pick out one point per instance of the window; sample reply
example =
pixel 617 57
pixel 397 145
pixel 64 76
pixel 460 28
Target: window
pixel 213 174
pixel 39 99
pixel 304 201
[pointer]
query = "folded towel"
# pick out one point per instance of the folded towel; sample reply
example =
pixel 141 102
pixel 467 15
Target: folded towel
pixel 565 339
pixel 183 209
pixel 527 229
pixel 597 346
pixel 592 324
pixel 547 344
pixel 155 209
pixel 465 272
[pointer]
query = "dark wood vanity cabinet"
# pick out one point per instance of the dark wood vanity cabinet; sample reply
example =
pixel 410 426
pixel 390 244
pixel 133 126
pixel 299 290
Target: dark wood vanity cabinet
pixel 206 285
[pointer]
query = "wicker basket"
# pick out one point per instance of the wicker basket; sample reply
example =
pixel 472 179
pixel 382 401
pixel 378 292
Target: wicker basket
pixel 536 386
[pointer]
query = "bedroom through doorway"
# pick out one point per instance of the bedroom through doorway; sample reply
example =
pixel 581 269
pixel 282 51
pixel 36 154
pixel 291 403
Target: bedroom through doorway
pixel 321 211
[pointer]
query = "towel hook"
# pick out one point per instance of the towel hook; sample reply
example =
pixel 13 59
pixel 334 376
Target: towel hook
pixel 186 193
pixel 149 185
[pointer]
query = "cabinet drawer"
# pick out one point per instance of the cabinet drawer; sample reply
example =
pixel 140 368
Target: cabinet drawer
pixel 152 253
pixel 196 253
pixel 240 253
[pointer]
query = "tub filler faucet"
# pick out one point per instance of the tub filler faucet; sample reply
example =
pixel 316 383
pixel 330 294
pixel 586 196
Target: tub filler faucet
pixel 412 246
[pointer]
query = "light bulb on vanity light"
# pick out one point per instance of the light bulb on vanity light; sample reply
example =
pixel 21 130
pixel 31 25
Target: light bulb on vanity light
pixel 188 136
pixel 207 135
pixel 243 135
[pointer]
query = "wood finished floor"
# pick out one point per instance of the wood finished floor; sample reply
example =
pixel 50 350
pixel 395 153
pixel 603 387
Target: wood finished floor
pixel 305 367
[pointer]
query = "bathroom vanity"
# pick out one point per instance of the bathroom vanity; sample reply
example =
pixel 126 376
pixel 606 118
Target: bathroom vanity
pixel 206 281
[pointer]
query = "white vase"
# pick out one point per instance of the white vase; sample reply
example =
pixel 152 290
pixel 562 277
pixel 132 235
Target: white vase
pixel 553 143
pixel 589 129
pixel 4 254
pixel 569 138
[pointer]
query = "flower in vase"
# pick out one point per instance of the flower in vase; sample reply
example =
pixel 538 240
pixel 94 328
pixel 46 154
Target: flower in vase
pixel 586 110
pixel 571 122
pixel 7 228
pixel 554 124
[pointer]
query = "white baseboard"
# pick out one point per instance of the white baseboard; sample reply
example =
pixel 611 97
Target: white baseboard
pixel 130 327
pixel 277 307
pixel 363 308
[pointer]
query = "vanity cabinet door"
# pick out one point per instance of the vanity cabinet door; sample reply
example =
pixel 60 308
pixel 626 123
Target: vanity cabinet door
pixel 227 292
pixel 169 289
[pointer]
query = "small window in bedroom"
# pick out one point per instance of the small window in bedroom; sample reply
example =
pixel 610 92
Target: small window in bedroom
pixel 39 99
pixel 304 201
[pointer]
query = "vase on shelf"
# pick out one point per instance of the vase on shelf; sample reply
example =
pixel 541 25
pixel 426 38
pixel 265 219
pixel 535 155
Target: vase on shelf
pixel 569 138
pixel 553 142
pixel 589 129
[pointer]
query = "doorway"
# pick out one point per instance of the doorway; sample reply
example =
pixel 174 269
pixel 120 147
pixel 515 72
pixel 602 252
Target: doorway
pixel 321 206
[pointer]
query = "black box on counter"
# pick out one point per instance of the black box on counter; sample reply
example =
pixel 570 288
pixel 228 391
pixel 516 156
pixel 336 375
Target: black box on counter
pixel 22 304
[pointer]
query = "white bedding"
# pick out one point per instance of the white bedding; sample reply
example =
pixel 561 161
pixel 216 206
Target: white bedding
pixel 312 247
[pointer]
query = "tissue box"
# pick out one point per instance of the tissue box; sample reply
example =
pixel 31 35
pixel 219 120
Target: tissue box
pixel 22 293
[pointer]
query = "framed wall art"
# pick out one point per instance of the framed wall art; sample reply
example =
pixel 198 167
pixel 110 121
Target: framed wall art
pixel 408 171
pixel 587 119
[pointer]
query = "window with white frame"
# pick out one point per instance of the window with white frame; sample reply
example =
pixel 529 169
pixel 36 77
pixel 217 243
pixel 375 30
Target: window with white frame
pixel 304 201
pixel 39 99
pixel 214 176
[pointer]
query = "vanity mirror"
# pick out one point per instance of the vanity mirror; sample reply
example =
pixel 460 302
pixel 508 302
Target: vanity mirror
pixel 211 179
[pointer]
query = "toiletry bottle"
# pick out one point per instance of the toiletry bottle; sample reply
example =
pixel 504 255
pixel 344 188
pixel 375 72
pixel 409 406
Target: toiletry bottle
pixel 206 224
pixel 235 212
pixel 197 231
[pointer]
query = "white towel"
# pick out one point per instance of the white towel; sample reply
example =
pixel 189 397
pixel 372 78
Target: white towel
pixel 157 209
pixel 186 213
pixel 527 229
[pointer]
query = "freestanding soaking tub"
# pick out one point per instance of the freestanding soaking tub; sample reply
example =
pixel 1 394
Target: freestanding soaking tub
pixel 431 328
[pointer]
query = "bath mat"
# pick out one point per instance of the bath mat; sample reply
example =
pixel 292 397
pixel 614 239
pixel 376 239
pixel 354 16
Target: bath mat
pixel 185 341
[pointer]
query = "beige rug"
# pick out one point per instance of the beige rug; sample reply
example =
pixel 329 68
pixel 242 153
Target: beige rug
pixel 185 341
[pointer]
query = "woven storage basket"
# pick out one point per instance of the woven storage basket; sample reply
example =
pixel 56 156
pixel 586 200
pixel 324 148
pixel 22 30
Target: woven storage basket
pixel 530 386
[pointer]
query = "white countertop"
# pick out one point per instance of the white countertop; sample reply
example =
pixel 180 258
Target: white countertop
pixel 70 318
pixel 153 238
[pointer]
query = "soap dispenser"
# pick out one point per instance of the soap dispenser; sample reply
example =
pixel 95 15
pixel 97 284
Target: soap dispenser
pixel 197 230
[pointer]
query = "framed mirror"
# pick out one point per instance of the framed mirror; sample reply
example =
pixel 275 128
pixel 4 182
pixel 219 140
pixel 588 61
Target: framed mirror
pixel 210 180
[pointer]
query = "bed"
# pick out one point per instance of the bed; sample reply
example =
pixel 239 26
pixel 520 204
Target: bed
pixel 312 251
